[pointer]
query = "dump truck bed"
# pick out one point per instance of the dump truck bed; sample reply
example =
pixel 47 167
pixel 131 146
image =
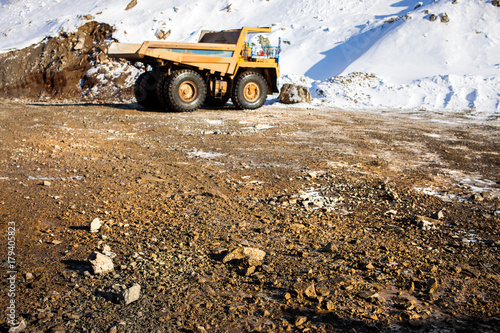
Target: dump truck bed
pixel 124 50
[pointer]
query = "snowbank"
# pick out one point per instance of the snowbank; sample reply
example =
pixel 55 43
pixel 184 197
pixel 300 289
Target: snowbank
pixel 474 94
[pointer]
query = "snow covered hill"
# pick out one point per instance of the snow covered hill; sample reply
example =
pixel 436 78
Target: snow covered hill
pixel 402 57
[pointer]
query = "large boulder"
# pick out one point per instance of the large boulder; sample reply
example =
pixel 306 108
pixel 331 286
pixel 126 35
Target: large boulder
pixel 292 94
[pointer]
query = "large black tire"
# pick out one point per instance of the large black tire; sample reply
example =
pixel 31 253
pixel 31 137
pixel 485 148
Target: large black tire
pixel 145 90
pixel 249 91
pixel 162 95
pixel 183 91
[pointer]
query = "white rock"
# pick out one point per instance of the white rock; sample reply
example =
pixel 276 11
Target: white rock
pixel 132 294
pixel 245 252
pixel 19 328
pixel 391 212
pixel 426 223
pixel 107 251
pixel 95 225
pixel 101 263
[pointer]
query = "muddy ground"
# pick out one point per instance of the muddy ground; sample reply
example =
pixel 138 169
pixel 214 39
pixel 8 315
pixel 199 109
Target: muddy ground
pixel 381 221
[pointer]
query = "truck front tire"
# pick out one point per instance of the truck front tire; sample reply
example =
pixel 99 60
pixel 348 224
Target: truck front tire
pixel 250 91
pixel 183 91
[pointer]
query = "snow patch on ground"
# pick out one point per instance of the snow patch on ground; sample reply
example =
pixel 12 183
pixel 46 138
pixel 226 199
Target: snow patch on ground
pixel 202 154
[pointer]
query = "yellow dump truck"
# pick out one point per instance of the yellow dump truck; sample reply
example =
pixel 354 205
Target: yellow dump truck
pixel 222 65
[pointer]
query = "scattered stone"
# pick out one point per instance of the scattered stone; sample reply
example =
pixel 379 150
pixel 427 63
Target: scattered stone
pixel 405 304
pixel 313 174
pixel 248 270
pixel 95 225
pixel 291 94
pixel 300 320
pixel 367 294
pixel 264 41
pixel 162 35
pixel 46 183
pixel 101 263
pixel 310 291
pixel 426 223
pixel 58 329
pixel 131 294
pixel 377 299
pixel 107 251
pixel 201 329
pixel 433 17
pixel 432 286
pixel 297 227
pixel 411 290
pixel 330 306
pixel 369 266
pixel 29 276
pixel 495 3
pixel 245 252
pixel 322 290
pixel 131 5
pixel 113 329
pixel 467 270
pixel 88 17
pixel 439 215
pixel 215 193
pixel 19 328
pixel 445 18
pixel 391 212
pixel 477 197
pixel 330 248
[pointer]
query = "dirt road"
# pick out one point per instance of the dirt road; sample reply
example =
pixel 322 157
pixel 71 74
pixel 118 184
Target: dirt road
pixel 306 220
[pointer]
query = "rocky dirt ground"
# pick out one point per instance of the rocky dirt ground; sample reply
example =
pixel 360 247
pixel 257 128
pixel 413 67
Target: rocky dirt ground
pixel 280 219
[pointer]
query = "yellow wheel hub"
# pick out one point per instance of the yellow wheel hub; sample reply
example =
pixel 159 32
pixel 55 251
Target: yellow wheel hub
pixel 188 91
pixel 251 91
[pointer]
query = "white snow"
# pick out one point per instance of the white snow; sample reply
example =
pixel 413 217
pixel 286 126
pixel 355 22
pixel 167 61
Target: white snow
pixel 202 154
pixel 408 61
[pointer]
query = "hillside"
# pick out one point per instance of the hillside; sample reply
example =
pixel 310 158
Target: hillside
pixel 450 63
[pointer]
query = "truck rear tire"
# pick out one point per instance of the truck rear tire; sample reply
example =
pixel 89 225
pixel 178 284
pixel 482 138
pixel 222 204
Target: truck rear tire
pixel 183 91
pixel 145 90
pixel 250 91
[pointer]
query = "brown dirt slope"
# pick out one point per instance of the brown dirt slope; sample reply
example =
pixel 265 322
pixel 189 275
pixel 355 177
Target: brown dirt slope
pixel 55 68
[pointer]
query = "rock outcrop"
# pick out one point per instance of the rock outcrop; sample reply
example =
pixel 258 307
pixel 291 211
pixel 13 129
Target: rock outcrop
pixel 57 67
